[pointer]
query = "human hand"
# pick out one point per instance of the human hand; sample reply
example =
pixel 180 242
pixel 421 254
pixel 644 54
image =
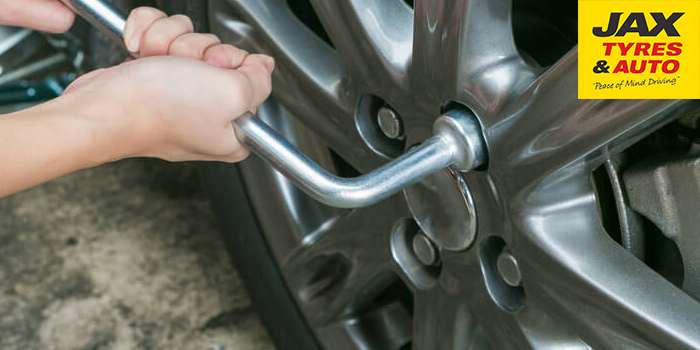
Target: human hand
pixel 175 108
pixel 45 15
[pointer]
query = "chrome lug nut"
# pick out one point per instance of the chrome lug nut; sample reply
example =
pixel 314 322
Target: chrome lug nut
pixel 390 123
pixel 425 250
pixel 509 269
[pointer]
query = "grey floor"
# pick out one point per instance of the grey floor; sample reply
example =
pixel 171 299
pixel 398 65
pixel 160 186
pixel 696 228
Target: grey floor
pixel 123 256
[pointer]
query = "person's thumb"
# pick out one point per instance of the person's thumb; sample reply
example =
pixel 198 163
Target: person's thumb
pixel 255 80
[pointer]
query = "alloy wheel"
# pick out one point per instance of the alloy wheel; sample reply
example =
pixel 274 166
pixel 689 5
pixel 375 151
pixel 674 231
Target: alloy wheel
pixel 540 271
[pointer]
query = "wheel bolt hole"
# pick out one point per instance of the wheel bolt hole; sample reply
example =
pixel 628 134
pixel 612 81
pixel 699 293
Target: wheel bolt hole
pixel 424 250
pixel 415 254
pixel 390 123
pixel 502 275
pixel 380 126
pixel 508 268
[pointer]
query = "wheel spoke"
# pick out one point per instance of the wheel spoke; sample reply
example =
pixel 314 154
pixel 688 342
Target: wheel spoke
pixel 551 128
pixel 387 327
pixel 442 322
pixel 465 46
pixel 577 273
pixel 340 269
pixel 376 33
pixel 435 316
pixel 286 208
pixel 309 78
pixel 541 332
pixel 528 327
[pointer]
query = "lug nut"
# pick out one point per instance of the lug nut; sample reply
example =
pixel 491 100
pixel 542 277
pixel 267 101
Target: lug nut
pixel 424 250
pixel 509 269
pixel 390 123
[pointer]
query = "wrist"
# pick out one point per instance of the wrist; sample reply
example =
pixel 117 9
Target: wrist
pixel 106 133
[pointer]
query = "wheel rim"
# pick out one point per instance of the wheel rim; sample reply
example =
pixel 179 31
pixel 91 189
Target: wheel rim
pixel 580 289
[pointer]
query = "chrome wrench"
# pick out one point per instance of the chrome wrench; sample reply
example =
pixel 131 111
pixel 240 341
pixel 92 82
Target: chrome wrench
pixel 457 142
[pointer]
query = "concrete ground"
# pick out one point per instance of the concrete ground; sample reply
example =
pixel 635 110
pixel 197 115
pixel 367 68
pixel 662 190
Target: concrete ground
pixel 123 256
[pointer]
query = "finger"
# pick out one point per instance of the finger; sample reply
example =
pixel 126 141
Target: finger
pixel 226 147
pixel 225 56
pixel 255 81
pixel 240 151
pixel 44 15
pixel 158 37
pixel 193 45
pixel 139 20
pixel 237 156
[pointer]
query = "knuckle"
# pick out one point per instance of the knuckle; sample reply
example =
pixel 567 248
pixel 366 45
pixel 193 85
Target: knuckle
pixel 246 52
pixel 236 50
pixel 155 43
pixel 136 11
pixel 233 52
pixel 210 38
pixel 237 55
pixel 184 46
pixel 184 21
pixel 146 12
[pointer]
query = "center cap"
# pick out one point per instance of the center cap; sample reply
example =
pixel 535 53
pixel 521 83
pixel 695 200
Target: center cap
pixel 443 208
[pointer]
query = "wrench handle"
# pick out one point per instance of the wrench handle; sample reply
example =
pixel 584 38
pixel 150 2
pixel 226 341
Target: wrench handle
pixel 102 16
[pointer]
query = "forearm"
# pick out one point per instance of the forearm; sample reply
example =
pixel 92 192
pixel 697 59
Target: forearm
pixel 51 140
pixel 176 108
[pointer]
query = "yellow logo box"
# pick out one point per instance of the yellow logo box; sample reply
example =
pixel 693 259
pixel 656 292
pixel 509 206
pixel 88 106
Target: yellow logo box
pixel 639 49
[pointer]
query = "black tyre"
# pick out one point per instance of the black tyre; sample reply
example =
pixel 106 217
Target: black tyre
pixel 251 256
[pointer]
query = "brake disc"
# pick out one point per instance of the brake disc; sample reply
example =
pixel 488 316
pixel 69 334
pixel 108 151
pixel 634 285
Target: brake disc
pixel 665 190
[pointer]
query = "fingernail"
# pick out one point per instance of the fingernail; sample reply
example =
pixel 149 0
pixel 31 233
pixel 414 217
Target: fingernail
pixel 270 64
pixel 134 42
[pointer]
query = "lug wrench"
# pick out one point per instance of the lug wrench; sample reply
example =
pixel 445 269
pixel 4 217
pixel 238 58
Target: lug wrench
pixel 458 142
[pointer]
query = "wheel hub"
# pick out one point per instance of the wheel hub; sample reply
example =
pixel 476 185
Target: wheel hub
pixel 443 208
